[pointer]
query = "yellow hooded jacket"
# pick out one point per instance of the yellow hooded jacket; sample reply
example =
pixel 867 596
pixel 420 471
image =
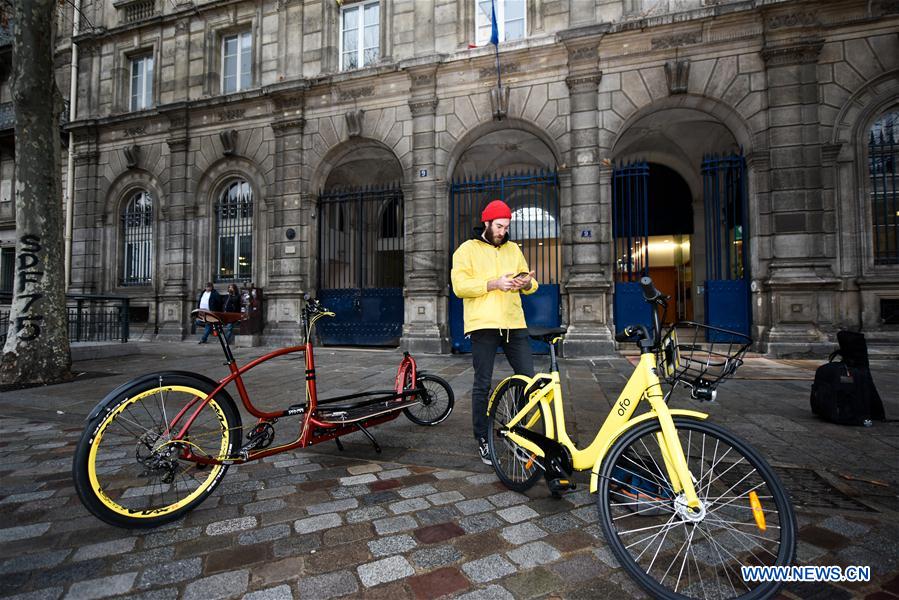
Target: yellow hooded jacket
pixel 476 262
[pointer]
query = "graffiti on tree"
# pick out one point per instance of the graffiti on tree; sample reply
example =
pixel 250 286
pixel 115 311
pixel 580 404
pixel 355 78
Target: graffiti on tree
pixel 28 323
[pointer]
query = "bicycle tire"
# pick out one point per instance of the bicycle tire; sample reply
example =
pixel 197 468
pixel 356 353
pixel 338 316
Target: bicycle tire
pixel 436 403
pixel 126 477
pixel 673 558
pixel 513 466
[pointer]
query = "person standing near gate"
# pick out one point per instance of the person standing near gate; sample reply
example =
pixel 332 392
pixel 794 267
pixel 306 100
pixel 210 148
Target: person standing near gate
pixel 489 273
pixel 209 299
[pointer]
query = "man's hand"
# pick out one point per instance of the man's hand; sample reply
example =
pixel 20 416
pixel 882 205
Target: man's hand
pixel 523 282
pixel 505 283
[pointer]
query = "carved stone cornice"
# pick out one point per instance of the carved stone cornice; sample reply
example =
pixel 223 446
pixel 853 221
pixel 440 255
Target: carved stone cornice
pixel 425 107
pixel 137 130
pixel 758 160
pixel 178 144
pixel 86 157
pixel 799 53
pixel 285 102
pixel 355 93
pixel 505 68
pixel 288 126
pixel 676 40
pixel 583 82
pixel 423 78
pixel 231 114
pixel 830 152
pixel 791 20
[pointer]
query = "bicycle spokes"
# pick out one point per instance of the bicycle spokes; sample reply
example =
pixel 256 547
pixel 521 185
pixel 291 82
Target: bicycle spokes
pixel 744 518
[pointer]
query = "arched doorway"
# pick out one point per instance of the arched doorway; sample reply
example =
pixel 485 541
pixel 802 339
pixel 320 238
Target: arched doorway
pixel 680 216
pixel 516 166
pixel 361 238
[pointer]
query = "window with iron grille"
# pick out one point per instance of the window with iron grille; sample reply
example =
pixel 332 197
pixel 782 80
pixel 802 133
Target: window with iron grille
pixel 234 232
pixel 360 35
pixel 883 153
pixel 7 269
pixel 237 62
pixel 141 82
pixel 137 249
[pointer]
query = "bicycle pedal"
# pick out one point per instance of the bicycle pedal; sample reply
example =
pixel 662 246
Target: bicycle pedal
pixel 561 486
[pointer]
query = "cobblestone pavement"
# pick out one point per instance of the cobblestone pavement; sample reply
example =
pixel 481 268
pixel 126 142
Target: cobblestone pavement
pixel 424 518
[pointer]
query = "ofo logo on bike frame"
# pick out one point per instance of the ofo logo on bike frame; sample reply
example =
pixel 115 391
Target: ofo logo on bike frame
pixel 807 573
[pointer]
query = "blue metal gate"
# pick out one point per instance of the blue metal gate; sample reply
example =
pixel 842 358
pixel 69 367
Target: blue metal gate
pixel 630 230
pixel 360 272
pixel 534 200
pixel 726 236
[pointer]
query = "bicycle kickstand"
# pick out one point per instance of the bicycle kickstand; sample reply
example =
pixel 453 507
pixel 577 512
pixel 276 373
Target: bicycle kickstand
pixel 370 437
pixel 339 444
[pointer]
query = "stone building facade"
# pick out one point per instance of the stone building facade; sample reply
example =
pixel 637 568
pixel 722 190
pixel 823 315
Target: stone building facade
pixel 248 114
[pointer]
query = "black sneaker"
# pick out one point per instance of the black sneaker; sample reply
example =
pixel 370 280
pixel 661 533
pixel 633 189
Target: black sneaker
pixel 484 451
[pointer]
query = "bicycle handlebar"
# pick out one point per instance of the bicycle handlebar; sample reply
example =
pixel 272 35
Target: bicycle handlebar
pixel 650 293
pixel 640 332
pixel 632 333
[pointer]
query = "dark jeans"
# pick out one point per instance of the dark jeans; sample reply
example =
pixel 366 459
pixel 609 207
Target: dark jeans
pixel 206 332
pixel 484 343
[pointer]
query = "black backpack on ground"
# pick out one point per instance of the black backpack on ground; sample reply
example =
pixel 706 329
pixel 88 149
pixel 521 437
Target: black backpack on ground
pixel 844 391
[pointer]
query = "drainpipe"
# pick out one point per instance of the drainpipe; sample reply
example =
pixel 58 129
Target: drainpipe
pixel 70 167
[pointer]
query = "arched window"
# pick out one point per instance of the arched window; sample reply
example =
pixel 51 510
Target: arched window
pixel 234 232
pixel 883 153
pixel 137 249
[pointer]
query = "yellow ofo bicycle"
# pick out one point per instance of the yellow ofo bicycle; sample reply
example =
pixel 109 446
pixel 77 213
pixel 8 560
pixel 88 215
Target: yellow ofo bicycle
pixel 685 505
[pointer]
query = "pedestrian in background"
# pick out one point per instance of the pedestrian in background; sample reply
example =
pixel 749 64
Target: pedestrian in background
pixel 232 305
pixel 210 300
pixel 489 274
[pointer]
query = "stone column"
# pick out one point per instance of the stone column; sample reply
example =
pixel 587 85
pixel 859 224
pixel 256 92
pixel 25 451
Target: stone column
pixel 179 212
pixel 588 283
pixel 424 329
pixel 289 239
pixel 85 250
pixel 800 282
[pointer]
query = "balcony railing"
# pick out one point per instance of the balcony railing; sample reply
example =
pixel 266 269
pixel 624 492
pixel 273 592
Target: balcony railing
pixel 136 10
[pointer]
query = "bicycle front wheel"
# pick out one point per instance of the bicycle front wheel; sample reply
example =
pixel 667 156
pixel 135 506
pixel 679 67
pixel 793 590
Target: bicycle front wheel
pixel 128 469
pixel 515 467
pixel 746 519
pixel 436 401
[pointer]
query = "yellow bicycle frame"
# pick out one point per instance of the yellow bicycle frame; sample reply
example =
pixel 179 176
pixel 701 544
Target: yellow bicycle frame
pixel 643 384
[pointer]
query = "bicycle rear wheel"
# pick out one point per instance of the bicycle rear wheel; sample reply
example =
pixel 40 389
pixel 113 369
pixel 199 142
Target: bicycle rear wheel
pixel 128 470
pixel 437 400
pixel 746 519
pixel 516 467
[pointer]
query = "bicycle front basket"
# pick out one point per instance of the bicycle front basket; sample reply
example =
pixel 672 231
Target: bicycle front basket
pixel 701 355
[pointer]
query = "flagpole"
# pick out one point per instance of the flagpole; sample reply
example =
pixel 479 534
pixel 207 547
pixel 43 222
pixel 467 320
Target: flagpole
pixel 494 39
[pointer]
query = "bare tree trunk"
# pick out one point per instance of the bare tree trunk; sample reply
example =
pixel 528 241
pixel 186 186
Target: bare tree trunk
pixel 37 342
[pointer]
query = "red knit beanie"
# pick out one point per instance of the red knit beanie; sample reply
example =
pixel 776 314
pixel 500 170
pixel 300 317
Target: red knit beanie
pixel 496 210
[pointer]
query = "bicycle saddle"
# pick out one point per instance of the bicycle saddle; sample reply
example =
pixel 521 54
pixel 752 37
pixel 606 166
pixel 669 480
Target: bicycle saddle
pixel 209 316
pixel 546 334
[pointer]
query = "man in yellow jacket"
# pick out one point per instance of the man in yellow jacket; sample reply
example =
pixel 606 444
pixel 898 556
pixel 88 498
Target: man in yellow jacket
pixel 489 274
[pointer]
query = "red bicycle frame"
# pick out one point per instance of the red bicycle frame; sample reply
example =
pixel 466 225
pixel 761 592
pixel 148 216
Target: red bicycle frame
pixel 313 430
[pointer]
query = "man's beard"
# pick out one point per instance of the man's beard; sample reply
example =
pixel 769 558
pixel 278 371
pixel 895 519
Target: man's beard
pixel 496 240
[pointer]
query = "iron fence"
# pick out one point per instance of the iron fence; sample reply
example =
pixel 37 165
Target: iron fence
pixel 91 318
